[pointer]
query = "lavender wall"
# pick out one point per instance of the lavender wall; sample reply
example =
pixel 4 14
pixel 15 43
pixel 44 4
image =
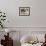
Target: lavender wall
pixel 35 22
pixel 36 19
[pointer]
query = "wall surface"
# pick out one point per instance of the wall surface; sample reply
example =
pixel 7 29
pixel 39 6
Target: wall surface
pixel 24 24
pixel 36 19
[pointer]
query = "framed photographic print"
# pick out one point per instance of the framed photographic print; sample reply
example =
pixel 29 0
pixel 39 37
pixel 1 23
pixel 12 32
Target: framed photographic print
pixel 24 11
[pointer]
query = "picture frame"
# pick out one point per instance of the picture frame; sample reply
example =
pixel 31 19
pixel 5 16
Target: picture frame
pixel 24 11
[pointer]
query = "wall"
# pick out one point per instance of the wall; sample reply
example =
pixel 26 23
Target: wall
pixel 36 19
pixel 35 22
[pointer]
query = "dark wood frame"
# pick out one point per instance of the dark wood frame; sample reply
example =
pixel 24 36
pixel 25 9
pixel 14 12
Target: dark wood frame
pixel 24 7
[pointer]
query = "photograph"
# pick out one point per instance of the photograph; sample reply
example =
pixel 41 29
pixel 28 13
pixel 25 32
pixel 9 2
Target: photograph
pixel 24 11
